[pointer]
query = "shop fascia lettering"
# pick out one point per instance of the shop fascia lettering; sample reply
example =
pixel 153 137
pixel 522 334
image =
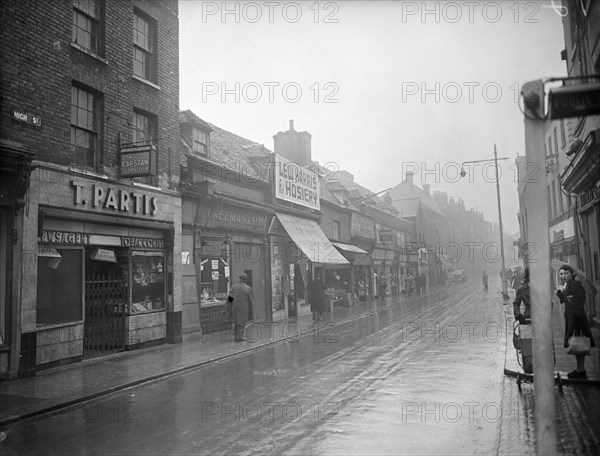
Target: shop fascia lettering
pixel 234 217
pixel 66 237
pixel 109 198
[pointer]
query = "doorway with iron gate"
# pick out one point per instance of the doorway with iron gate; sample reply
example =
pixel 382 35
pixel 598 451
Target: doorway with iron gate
pixel 106 296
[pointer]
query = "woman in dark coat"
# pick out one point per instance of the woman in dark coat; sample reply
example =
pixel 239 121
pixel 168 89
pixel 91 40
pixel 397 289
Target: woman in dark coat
pixel 573 296
pixel 316 297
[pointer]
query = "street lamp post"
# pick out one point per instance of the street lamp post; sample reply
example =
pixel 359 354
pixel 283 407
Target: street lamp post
pixel 463 173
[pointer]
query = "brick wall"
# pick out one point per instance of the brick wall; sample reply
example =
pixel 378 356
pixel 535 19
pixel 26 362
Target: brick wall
pixel 40 64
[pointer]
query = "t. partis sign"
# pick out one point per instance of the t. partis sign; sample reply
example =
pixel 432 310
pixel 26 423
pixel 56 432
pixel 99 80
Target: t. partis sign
pixel 113 199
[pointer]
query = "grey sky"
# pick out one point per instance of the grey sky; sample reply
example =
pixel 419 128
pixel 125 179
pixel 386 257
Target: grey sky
pixel 383 85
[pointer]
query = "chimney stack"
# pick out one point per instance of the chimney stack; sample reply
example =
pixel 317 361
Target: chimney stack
pixel 294 145
pixel 427 187
pixel 387 198
pixel 409 177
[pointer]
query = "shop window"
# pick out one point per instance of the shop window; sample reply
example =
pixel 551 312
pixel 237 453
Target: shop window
pixel 215 271
pixel 60 287
pixel 148 281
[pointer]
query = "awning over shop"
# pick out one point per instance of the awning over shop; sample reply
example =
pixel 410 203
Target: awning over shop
pixel 353 253
pixel 349 248
pixel 309 238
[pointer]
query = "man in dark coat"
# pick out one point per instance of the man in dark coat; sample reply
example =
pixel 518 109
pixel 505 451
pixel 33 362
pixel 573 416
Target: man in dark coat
pixel 316 297
pixel 241 297
pixel 523 296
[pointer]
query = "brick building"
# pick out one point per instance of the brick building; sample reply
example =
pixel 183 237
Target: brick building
pixel 90 87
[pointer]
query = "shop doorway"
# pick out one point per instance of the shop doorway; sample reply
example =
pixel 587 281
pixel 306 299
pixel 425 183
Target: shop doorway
pixel 106 295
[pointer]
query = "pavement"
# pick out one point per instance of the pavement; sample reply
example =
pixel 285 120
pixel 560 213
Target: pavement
pixel 55 389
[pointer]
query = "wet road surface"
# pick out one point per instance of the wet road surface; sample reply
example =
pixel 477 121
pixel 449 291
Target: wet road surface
pixel 422 376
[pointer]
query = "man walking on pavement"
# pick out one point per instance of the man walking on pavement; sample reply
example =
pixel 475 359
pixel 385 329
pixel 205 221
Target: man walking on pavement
pixel 241 295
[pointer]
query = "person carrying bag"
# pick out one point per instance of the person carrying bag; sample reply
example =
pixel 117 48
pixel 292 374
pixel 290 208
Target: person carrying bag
pixel 577 327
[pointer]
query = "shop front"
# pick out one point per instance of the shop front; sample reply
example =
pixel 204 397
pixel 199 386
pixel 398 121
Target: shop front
pixel 362 232
pixel 383 262
pixel 355 279
pixel 221 241
pixel 302 251
pixel 581 178
pixel 102 257
pixel 15 170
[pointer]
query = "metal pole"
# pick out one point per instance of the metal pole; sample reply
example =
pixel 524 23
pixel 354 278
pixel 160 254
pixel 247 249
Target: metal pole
pixel 536 210
pixel 503 273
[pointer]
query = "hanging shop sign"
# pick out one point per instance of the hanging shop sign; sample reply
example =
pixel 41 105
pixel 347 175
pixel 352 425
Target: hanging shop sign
pixel 574 101
pixel 105 255
pixel 385 235
pixel 590 196
pixel 138 161
pixel 115 200
pixel 297 184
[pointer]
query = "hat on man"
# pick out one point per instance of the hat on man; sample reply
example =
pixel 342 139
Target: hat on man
pixel 244 277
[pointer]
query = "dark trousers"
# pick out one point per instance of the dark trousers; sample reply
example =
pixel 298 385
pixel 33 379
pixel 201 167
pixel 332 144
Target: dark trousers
pixel 238 332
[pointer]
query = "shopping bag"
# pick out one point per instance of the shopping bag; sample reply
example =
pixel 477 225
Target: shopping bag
pixel 579 345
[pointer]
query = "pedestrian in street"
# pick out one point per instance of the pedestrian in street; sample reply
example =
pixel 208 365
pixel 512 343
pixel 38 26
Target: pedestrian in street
pixel 423 282
pixel 382 287
pixel 573 296
pixel 240 296
pixel 484 279
pixel 316 297
pixel 523 297
pixel 517 280
pixel 410 283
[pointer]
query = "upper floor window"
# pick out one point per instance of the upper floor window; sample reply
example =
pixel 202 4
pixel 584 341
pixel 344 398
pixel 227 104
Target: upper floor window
pixel 84 126
pixel 144 47
pixel 337 230
pixel 200 141
pixel 563 137
pixel 144 127
pixel 86 24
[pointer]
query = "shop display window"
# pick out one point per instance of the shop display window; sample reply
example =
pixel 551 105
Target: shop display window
pixel 215 272
pixel 60 285
pixel 148 281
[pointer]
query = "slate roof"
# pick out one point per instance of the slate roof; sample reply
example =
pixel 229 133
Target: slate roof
pixel 406 197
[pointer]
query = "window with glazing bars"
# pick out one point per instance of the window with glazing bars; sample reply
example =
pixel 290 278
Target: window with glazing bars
pixel 144 128
pixel 84 127
pixel 200 141
pixel 86 17
pixel 144 57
